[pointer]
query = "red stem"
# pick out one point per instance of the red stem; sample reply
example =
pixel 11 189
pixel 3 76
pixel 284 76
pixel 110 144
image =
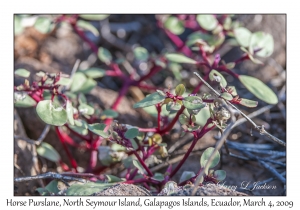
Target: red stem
pixel 203 131
pixel 62 140
pixel 143 163
pixel 170 126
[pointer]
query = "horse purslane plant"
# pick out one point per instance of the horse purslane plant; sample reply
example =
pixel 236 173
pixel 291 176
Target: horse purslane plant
pixel 60 99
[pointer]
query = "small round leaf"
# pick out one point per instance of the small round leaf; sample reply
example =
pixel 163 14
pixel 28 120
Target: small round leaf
pixel 174 25
pixel 86 109
pixel 248 103
pixel 263 41
pixel 131 133
pixel 104 55
pixel 179 90
pixel 98 128
pixel 50 114
pixel 242 36
pixel 226 96
pixel 186 175
pixel 206 155
pixel 208 22
pixel 94 72
pixel 141 53
pixel 47 151
pixel 150 100
pixel 220 175
pixel 218 77
pixel 93 17
pixel 22 73
pixel 193 102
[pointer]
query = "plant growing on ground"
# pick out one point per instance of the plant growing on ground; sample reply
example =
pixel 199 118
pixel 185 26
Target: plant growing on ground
pixel 60 99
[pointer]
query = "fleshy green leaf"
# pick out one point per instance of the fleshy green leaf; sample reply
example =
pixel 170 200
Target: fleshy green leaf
pixel 22 73
pixel 180 89
pixel 98 128
pixel 141 53
pixel 208 22
pixel 50 114
pixel 47 151
pixel 93 17
pixel 94 72
pixel 78 81
pixel 87 26
pixel 174 25
pixel 104 155
pixel 104 55
pixel 131 133
pixel 69 109
pixel 206 155
pixel 193 102
pixel 138 165
pixel 230 65
pixel 113 179
pixel 158 177
pixel 261 40
pixel 220 175
pixel 80 127
pixel 87 86
pixel 128 162
pixel 134 144
pixel 82 98
pixel 87 188
pixel 149 100
pixel 178 58
pixel 218 77
pixel 243 36
pixel 86 109
pixel 183 119
pixel 202 116
pixel 64 81
pixel 232 90
pixel 259 89
pixel 248 103
pixel 226 96
pixel 43 25
pixel 52 186
pixel 186 175
pixel 23 100
pixel 109 113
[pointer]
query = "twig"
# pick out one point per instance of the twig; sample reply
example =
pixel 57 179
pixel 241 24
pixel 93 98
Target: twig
pixel 261 129
pixel 35 142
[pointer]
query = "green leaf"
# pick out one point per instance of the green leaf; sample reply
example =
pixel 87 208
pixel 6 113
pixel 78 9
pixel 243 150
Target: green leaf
pixel 87 26
pixel 193 102
pixel 220 175
pixel 218 77
pixel 64 81
pixel 82 98
pixel 87 86
pixel 206 155
pixel 255 60
pixel 80 127
pixel 158 177
pixel 161 93
pixel 113 179
pixel 226 96
pixel 47 151
pixel 18 25
pixel 86 109
pixel 261 40
pixel 186 175
pixel 22 73
pixel 104 55
pixel 248 103
pixel 94 72
pixel 50 114
pixel 138 165
pixel 43 191
pixel 174 25
pixel 131 133
pixel 134 144
pixel 141 53
pixel 23 100
pixel 78 81
pixel 243 36
pixel 93 17
pixel 43 25
pixel 118 147
pixel 259 89
pixel 232 90
pixel 69 109
pixel 202 116
pixel 230 65
pixel 104 155
pixel 150 100
pixel 208 22
pixel 98 128
pixel 52 186
pixel 179 90
pixel 109 113
pixel 87 188
pixel 128 162
pixel 178 58
pixel 183 119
